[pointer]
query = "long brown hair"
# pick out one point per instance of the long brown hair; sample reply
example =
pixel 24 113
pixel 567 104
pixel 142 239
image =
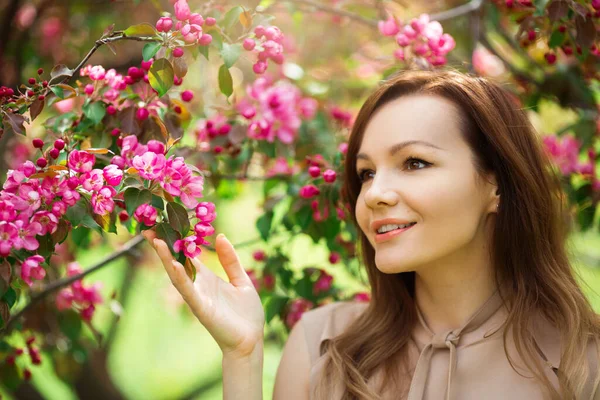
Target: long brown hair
pixel 528 245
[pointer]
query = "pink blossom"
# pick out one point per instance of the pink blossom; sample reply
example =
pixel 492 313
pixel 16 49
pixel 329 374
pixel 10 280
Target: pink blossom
pixel 102 200
pixel 64 299
pixel 171 181
pixel 182 10
pixel 188 246
pixel 47 220
pixel 192 189
pixel 112 174
pixel 92 180
pixel 323 284
pixel 362 297
pixel 59 208
pixel 81 161
pixel 8 234
pixel 156 147
pixel 150 165
pixel 563 151
pixel 146 214
pixel 296 308
pixel 31 269
pixel 308 191
pixel 205 212
pixel 389 27
pixel 487 64
pixel 164 24
pixel 202 229
pixel 329 176
pixel 7 211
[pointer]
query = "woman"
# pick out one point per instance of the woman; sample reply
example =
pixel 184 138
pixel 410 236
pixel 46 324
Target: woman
pixel 462 232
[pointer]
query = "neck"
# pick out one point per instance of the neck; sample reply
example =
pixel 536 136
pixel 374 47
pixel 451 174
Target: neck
pixel 450 292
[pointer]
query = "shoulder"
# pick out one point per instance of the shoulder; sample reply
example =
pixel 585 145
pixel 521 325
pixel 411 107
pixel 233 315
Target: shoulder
pixel 547 337
pixel 327 322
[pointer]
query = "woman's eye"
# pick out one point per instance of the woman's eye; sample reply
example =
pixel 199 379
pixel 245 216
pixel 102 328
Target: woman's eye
pixel 411 160
pixel 363 173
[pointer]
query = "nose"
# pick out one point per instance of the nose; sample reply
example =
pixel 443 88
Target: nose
pixel 380 193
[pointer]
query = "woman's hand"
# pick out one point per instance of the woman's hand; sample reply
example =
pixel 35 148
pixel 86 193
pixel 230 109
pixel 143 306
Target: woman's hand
pixel 231 311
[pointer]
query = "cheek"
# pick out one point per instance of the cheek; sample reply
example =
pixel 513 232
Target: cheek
pixel 361 214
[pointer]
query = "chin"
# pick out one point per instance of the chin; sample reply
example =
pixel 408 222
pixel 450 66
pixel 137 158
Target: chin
pixel 392 266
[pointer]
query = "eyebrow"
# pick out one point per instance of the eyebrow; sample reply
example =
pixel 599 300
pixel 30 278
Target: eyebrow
pixel 399 146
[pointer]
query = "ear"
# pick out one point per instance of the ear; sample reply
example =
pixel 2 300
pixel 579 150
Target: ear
pixel 494 193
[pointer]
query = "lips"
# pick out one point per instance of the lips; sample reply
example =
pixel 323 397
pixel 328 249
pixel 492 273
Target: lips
pixel 388 221
pixel 384 237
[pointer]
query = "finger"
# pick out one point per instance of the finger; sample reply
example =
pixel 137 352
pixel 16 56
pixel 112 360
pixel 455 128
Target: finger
pixel 231 262
pixel 185 287
pixel 149 235
pixel 165 256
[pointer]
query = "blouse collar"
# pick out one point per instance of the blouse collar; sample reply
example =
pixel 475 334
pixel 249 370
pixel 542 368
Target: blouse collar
pixel 448 341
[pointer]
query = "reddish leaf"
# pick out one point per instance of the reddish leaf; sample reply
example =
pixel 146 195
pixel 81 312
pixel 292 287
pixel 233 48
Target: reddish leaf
pixel 558 9
pixel 180 67
pixel 14 122
pixel 586 31
pixel 36 108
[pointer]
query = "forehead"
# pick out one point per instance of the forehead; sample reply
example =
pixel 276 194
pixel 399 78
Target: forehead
pixel 413 117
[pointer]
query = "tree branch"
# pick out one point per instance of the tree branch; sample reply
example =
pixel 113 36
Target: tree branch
pixel 470 7
pixel 61 283
pixel 115 37
pixel 516 72
pixel 127 248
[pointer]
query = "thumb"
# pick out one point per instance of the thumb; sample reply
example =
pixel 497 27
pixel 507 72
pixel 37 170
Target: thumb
pixel 231 262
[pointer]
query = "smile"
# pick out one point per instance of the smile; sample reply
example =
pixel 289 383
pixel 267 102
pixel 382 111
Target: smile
pixel 384 237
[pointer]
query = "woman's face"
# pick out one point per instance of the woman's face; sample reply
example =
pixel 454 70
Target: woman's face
pixel 433 185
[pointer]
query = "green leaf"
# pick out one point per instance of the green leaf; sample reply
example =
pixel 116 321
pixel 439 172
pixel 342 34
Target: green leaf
pixel 178 218
pixel 203 50
pixel 230 53
pixel 9 376
pixel 161 76
pixel 134 198
pixel 263 224
pixel 150 50
pixel 274 305
pixel 58 91
pixel 81 237
pixel 77 212
pixel 70 324
pixel 232 17
pixel 225 81
pixel 10 297
pixel 556 39
pixel 304 217
pixel 144 29
pixel 95 111
pixel 168 234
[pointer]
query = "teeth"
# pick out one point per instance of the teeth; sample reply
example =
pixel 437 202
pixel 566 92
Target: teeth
pixel 391 227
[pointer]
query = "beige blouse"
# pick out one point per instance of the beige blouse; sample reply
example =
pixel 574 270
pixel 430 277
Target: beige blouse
pixel 468 363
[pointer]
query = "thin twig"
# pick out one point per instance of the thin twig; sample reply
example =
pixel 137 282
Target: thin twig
pixel 336 11
pixel 470 7
pixel 61 283
pixel 516 72
pixel 116 36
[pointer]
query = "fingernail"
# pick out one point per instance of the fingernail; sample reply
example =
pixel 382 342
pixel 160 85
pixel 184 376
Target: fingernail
pixel 154 242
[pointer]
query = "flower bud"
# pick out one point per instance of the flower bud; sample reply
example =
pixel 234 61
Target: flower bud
pixel 142 114
pixel 41 162
pixel 54 153
pixel 177 52
pixel 38 143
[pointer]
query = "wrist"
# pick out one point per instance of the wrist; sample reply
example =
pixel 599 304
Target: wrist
pixel 242 374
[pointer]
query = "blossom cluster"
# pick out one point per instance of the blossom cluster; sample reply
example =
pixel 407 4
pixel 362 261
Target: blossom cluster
pixel 275 110
pixel 269 46
pixel 210 128
pixel 565 153
pixel 422 37
pixel 188 24
pixel 190 245
pixel 84 298
pixel 34 355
